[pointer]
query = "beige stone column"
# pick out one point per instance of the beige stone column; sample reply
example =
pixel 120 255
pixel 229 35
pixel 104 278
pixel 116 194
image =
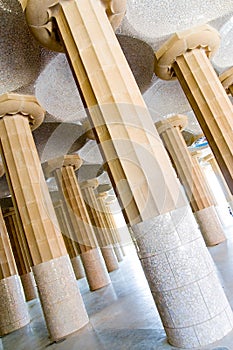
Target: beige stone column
pixel 176 262
pixel 72 247
pixel 101 231
pixel 13 308
pixel 63 169
pixel 212 161
pixel 21 253
pixel 186 56
pixel 192 178
pixel 52 268
pixel 226 79
pixel 110 224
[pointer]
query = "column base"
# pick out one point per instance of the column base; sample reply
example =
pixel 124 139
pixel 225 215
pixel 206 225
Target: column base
pixel 61 301
pixel 13 308
pixel 210 226
pixel 183 280
pixel 96 271
pixel 29 286
pixel 231 205
pixel 110 258
pixel 78 267
pixel 118 252
pixel 122 250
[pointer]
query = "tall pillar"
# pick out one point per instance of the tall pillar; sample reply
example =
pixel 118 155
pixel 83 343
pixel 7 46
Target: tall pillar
pixel 192 178
pixel 174 257
pixel 212 161
pixel 13 309
pixel 102 196
pixel 185 56
pixel 61 301
pixel 21 253
pixel 72 247
pixel 63 169
pixel 101 231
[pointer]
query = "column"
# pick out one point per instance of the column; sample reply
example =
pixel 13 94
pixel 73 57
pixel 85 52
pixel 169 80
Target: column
pixel 192 178
pixel 21 253
pixel 226 79
pixel 101 231
pixel 58 290
pixel 105 211
pixel 72 247
pixel 212 161
pixel 174 257
pixel 63 169
pixel 13 309
pixel 186 56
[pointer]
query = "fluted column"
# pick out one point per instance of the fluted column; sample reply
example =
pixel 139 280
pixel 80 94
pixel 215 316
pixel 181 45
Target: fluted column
pixel 101 231
pixel 192 178
pixel 51 265
pixel 63 169
pixel 104 211
pixel 71 246
pixel 140 170
pixel 13 308
pixel 226 79
pixel 212 161
pixel 21 253
pixel 186 56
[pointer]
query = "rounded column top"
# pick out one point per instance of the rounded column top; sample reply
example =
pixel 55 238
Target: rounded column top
pixel 208 157
pixel 27 105
pixel 51 165
pixel 177 121
pixel 93 183
pixel 205 37
pixel 104 188
pixel 39 16
pixel 226 79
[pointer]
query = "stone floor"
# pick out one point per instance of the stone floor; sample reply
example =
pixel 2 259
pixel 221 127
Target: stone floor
pixel 122 316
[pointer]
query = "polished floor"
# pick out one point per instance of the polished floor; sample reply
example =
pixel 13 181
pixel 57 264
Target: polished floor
pixel 123 315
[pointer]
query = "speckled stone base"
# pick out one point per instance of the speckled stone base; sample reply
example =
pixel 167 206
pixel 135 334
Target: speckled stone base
pixel 78 267
pixel 60 298
pixel 95 268
pixel 13 308
pixel 118 252
pixel 210 226
pixel 182 279
pixel 110 258
pixel 29 286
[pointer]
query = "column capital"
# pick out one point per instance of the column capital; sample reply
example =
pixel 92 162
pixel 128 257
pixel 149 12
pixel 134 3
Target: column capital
pixel 205 37
pixel 51 165
pixel 196 154
pixel 40 15
pixel 93 183
pixel 26 105
pixel 177 121
pixel 226 79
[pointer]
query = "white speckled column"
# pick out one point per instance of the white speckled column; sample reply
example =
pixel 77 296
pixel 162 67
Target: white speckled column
pixel 29 286
pixel 183 280
pixel 13 309
pixel 60 298
pixel 138 164
pixel 32 200
pixel 78 267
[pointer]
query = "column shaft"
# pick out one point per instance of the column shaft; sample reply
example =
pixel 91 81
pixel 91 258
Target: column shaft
pixel 52 269
pixel 210 104
pixel 13 309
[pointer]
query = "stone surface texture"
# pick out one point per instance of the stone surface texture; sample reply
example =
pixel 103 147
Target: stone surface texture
pixel 61 300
